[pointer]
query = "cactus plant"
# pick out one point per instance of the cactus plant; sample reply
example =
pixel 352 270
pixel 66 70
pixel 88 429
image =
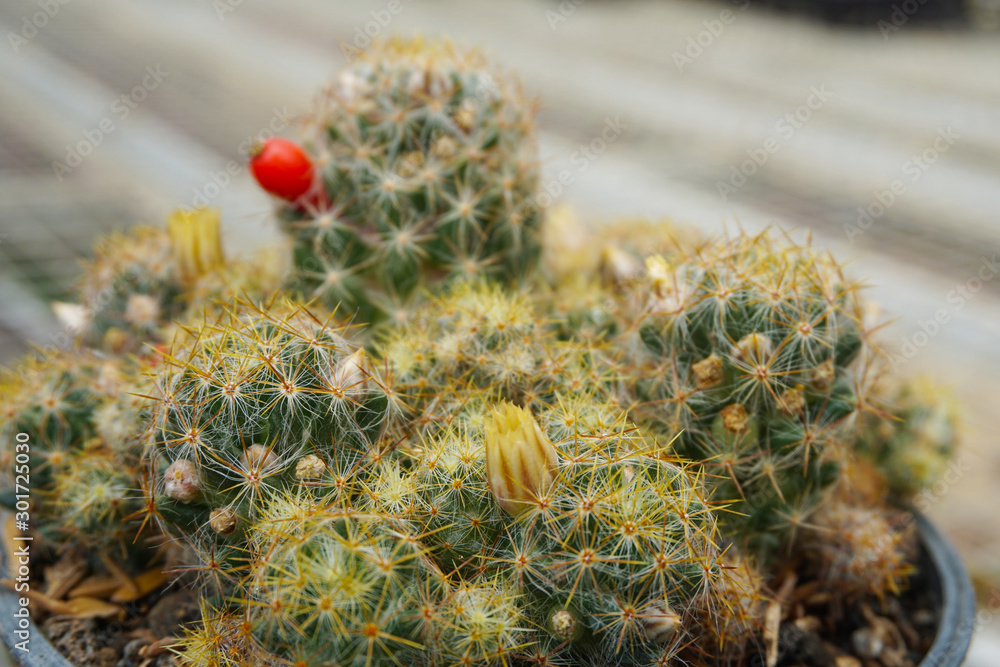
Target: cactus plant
pixel 914 434
pixel 134 284
pixel 417 551
pixel 142 282
pixel 612 553
pixel 428 160
pixel 756 351
pixel 861 549
pixel 609 543
pixel 610 466
pixel 77 410
pixel 243 406
pixel 502 488
pixel 479 337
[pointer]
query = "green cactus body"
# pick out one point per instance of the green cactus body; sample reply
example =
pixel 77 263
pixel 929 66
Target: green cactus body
pixel 142 282
pixel 608 545
pixel 914 437
pixel 479 340
pixel 334 588
pixel 239 408
pixel 94 501
pixel 623 547
pixel 752 350
pixel 429 161
pixel 129 289
pixel 82 455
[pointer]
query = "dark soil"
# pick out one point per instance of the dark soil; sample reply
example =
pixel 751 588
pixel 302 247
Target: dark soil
pixel 819 629
pixel 141 640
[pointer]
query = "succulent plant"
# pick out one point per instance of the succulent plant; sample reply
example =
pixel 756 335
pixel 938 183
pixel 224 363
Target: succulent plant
pixel 609 542
pixel 136 281
pixel 861 548
pixel 266 398
pixel 755 351
pixel 606 542
pixel 429 163
pixel 465 351
pixel 221 638
pixel 598 549
pixel 605 461
pixel 140 284
pixel 338 587
pixel 914 436
pixel 478 337
pixel 488 533
pixel 93 501
pixel 80 421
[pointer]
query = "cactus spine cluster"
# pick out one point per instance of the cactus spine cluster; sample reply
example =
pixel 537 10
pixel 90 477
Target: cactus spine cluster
pixel 428 159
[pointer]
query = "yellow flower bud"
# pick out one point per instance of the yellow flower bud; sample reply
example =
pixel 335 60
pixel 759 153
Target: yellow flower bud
pixel 223 521
pixel 521 463
pixel 735 418
pixel 708 372
pixel 194 236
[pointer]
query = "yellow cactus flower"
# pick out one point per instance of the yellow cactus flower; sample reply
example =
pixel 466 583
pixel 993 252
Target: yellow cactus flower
pixel 194 235
pixel 520 461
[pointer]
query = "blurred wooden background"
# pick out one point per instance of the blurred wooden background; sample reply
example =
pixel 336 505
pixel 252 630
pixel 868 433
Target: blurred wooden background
pixel 694 86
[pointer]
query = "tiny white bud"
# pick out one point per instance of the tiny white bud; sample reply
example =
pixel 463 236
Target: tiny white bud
pixel 182 481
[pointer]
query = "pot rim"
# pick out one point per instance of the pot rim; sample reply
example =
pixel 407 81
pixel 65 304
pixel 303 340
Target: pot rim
pixel 957 621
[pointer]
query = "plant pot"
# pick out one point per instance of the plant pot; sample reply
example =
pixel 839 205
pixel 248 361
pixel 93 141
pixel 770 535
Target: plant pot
pixel 957 599
pixel 946 572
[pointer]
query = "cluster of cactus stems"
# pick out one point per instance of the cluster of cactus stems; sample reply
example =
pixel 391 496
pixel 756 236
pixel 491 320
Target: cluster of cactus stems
pixel 604 461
